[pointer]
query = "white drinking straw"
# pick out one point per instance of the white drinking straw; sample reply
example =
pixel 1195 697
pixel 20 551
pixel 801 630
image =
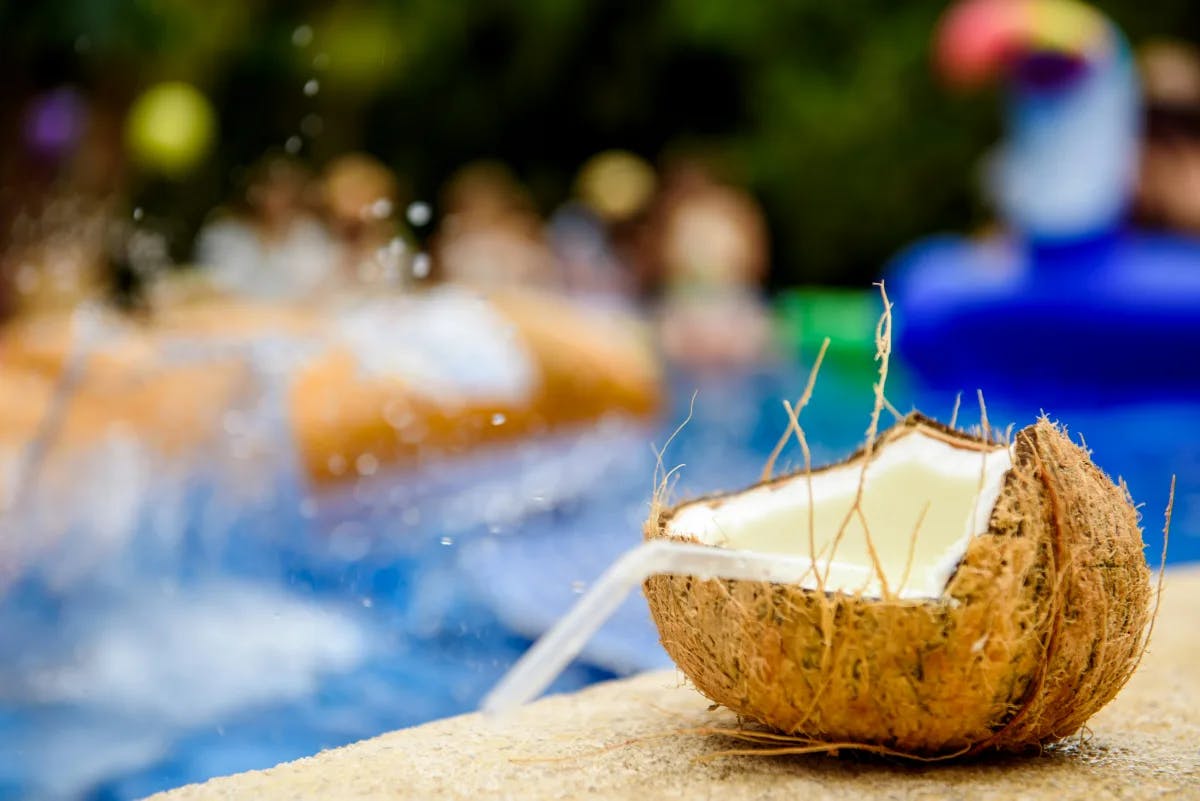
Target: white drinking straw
pixel 542 663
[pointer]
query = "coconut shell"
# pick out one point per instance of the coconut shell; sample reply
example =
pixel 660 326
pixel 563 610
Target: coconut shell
pixel 1040 625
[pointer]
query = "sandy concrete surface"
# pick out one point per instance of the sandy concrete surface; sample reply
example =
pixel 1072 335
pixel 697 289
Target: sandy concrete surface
pixel 623 740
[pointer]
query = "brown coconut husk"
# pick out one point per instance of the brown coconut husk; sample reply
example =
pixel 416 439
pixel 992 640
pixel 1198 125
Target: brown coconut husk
pixel 1043 621
pixel 1039 627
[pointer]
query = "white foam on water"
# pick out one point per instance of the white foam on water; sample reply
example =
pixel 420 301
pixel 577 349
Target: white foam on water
pixel 196 655
pixel 80 510
pixel 78 757
pixel 153 666
pixel 448 342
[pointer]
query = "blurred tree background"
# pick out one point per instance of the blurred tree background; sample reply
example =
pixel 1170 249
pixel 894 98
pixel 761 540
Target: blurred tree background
pixel 828 111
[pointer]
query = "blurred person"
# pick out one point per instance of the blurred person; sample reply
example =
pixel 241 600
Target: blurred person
pixel 491 236
pixel 1168 193
pixel 590 233
pixel 361 199
pixel 712 253
pixel 272 247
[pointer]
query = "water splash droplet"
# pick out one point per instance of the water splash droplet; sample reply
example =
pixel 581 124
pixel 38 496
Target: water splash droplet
pixel 419 213
pixel 311 87
pixel 312 125
pixel 366 464
pixel 302 36
pixel 447 540
pixel 420 265
pixel 381 208
pixel 498 419
pixel 397 414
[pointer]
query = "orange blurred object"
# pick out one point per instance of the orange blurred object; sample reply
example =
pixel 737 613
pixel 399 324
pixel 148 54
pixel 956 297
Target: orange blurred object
pixel 387 382
pixel 584 366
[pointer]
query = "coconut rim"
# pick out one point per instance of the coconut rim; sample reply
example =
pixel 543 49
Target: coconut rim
pixel 1019 448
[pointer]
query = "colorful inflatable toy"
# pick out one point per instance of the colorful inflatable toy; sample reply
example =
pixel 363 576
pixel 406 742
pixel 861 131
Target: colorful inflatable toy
pixel 1068 299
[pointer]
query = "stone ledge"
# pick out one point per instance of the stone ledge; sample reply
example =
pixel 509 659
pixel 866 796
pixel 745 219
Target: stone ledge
pixel 620 740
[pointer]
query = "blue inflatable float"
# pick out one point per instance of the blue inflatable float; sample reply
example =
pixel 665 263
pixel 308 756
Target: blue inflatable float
pixel 1068 300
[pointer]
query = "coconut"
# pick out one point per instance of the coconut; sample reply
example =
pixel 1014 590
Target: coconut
pixel 963 594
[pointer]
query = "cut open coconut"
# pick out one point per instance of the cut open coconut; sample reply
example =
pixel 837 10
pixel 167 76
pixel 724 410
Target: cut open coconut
pixel 995 597
pixel 924 496
pixel 1024 613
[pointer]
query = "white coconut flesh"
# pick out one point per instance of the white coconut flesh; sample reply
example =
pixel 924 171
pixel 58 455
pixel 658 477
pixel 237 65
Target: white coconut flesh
pixel 916 485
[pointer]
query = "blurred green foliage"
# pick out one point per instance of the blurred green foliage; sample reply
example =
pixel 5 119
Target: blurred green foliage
pixel 827 110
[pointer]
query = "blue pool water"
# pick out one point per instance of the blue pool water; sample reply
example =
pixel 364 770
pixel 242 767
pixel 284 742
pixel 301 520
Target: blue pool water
pixel 269 629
